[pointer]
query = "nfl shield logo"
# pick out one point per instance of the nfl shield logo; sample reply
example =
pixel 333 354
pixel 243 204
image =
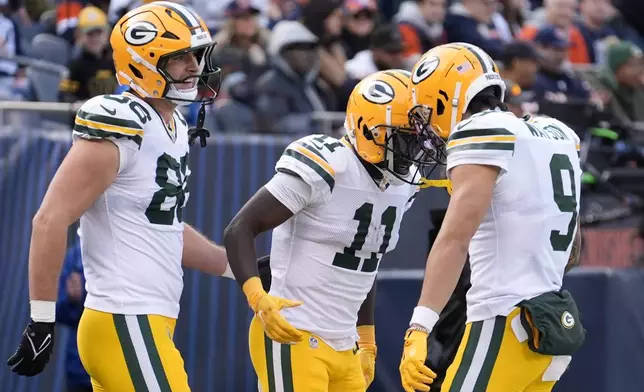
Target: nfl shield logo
pixel 466 66
pixel 313 342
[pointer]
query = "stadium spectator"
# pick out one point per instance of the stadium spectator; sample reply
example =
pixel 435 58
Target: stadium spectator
pixel 421 25
pixel 283 10
pixel 66 19
pixel 477 22
pixel 242 30
pixel 385 52
pixel 514 12
pixel 520 67
pixel 520 64
pixel 68 14
pixel 287 93
pixel 92 72
pixel 593 26
pixel 361 19
pixel 559 13
pixel 622 29
pixel 33 18
pixel 115 9
pixel 69 308
pixel 632 11
pixel 518 101
pixel 233 111
pixel 555 81
pixel 324 19
pixel 622 78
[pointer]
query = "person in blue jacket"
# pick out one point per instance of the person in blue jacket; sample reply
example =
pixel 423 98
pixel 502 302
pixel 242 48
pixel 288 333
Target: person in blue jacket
pixel 69 308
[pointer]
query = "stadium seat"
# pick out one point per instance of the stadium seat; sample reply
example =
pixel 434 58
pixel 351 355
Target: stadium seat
pixel 44 84
pixel 51 48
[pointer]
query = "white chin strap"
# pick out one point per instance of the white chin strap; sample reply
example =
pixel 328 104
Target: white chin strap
pixel 178 95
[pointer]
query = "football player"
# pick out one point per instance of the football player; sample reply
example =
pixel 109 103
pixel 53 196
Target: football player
pixel 125 177
pixel 336 207
pixel 514 206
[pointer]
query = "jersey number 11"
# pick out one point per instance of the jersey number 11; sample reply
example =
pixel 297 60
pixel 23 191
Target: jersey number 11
pixel 348 258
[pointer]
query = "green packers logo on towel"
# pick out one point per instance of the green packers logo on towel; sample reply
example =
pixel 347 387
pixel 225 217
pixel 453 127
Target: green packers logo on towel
pixel 567 320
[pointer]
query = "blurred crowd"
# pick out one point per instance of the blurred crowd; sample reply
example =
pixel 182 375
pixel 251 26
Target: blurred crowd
pixel 287 62
pixel 284 60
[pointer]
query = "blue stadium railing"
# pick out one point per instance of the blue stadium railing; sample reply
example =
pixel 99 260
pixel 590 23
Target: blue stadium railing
pixel 212 329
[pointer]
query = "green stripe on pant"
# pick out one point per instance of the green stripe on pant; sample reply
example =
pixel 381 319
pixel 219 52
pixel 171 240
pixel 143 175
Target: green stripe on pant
pixel 129 353
pixel 285 366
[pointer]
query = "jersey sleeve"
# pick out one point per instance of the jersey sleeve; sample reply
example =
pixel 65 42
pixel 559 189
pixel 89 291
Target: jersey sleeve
pixel 486 139
pixel 291 191
pixel 312 159
pixel 100 118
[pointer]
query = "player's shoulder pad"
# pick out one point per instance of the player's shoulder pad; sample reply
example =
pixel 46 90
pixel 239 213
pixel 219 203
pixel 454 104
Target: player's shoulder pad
pixel 490 130
pixel 111 116
pixel 317 159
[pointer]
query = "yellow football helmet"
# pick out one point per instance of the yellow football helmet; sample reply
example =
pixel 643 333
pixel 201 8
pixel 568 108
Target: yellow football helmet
pixel 145 38
pixel 443 83
pixel 377 126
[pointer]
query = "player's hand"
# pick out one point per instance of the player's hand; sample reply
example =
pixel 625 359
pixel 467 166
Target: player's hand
pixel 367 350
pixel 267 309
pixel 34 351
pixel 413 372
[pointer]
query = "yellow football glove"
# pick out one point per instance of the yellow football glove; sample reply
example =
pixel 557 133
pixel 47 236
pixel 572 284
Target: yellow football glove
pixel 267 309
pixel 447 184
pixel 413 372
pixel 367 350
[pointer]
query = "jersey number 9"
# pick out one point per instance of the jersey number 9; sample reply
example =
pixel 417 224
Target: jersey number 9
pixel 566 203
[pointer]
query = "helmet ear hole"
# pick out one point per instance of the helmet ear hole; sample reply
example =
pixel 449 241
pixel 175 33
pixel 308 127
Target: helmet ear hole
pixel 135 71
pixel 366 132
pixel 440 107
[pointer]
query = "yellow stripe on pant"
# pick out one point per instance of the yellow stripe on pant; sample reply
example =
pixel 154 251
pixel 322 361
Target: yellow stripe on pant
pixel 130 353
pixel 308 366
pixel 494 357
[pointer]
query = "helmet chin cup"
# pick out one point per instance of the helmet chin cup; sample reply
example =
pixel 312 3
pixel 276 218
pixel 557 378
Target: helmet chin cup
pixel 181 97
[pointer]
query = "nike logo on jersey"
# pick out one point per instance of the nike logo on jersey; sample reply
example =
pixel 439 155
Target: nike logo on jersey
pixel 43 346
pixel 110 111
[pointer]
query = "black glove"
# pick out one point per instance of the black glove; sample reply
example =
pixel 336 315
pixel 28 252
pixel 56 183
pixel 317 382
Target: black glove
pixel 35 349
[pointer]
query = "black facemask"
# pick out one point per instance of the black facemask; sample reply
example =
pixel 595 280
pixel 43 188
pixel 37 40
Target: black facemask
pixel 208 81
pixel 404 147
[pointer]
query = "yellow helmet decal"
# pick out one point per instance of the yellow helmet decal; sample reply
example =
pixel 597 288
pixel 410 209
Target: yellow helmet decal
pixel 376 105
pixel 444 81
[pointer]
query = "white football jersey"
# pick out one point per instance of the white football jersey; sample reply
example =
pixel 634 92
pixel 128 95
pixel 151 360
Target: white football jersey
pixel 132 236
pixel 522 246
pixel 327 254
